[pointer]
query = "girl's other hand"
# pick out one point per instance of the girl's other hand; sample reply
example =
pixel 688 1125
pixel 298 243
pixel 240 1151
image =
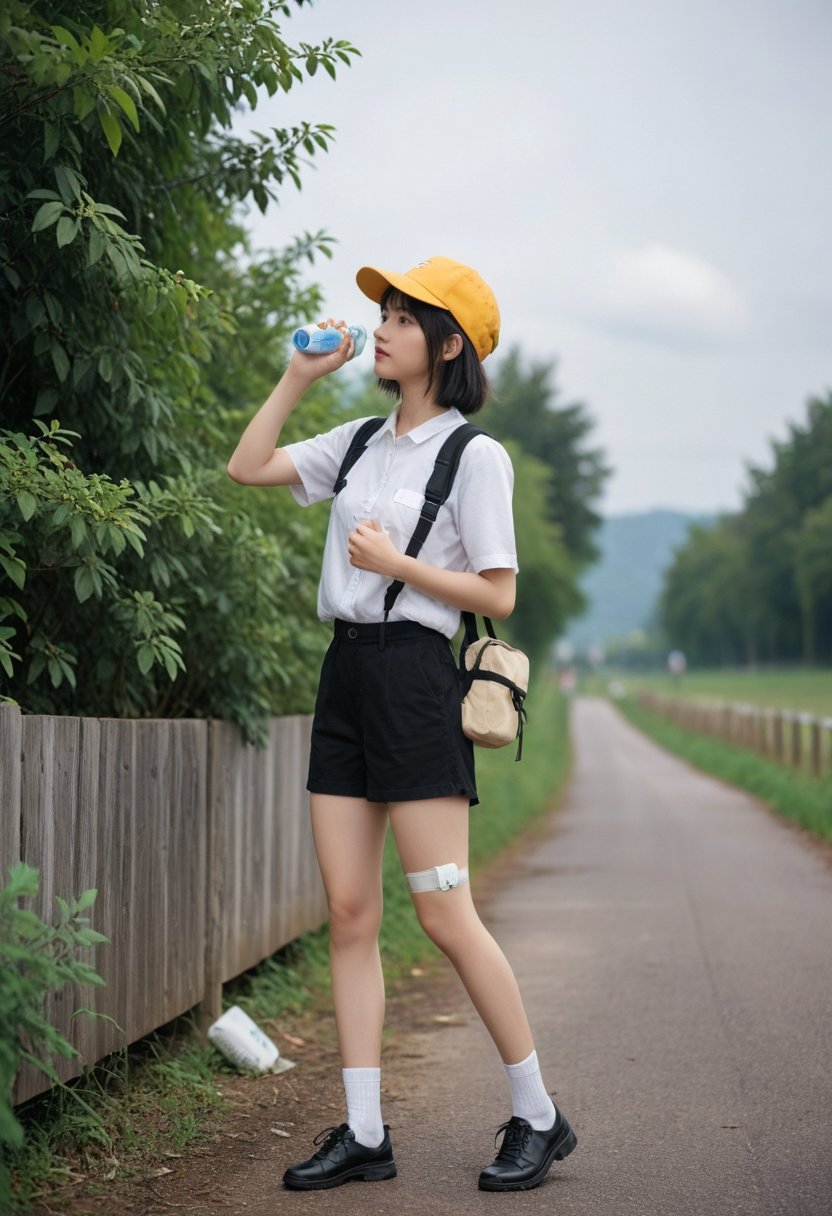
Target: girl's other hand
pixel 370 548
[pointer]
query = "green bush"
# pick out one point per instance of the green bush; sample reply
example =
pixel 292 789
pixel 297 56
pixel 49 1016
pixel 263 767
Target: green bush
pixel 133 580
pixel 36 959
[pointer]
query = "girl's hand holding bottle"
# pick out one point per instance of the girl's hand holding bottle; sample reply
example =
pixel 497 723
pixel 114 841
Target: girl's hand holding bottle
pixel 319 357
pixel 257 461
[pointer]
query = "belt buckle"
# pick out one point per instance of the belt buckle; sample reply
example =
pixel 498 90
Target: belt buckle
pixel 447 876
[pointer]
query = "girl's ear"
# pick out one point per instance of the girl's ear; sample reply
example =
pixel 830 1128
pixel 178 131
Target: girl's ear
pixel 451 347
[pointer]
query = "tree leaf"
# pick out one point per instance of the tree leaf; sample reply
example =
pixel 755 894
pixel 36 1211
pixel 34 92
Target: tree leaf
pixel 15 569
pixel 46 399
pixel 83 584
pixel 90 937
pixel 27 504
pixel 112 129
pixel 95 247
pixel 86 899
pixel 69 184
pixel 145 84
pixel 78 531
pixel 60 361
pixel 126 102
pixel 51 139
pixel 83 102
pixel 144 658
pixel 100 44
pixel 65 37
pixel 67 230
pixel 47 215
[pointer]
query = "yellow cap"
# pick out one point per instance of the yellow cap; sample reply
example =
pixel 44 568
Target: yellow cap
pixel 445 284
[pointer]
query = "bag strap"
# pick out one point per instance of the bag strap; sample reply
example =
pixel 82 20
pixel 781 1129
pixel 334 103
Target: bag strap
pixel 437 490
pixel 357 447
pixel 469 620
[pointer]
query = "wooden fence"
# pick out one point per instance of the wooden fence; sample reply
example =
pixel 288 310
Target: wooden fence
pixel 799 739
pixel 198 843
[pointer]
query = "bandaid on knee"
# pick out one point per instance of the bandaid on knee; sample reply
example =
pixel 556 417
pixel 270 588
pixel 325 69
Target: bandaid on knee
pixel 438 878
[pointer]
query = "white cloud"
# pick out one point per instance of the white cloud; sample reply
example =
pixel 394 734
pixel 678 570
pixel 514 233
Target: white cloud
pixel 660 293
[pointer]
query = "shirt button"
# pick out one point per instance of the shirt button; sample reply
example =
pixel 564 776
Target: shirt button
pixel 352 633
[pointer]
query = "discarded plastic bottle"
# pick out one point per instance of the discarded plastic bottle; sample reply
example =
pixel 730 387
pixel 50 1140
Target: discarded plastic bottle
pixel 313 340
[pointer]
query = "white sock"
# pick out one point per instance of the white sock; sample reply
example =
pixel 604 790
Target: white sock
pixel 528 1094
pixel 362 1087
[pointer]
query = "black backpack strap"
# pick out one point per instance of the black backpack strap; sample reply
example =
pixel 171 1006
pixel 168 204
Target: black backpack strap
pixel 437 490
pixel 358 444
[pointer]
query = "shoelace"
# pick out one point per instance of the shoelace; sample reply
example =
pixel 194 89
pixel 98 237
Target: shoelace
pixel 516 1135
pixel 329 1137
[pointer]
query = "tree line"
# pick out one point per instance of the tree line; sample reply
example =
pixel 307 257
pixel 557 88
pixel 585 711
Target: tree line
pixel 757 587
pixel 139 330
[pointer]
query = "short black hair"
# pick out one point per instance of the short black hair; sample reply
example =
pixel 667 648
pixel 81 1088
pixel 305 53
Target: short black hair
pixel 459 382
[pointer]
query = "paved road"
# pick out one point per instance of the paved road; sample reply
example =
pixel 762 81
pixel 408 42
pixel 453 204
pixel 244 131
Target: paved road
pixel 673 942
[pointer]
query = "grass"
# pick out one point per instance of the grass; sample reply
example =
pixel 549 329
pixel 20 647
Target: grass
pixel 162 1094
pixel 124 1116
pixel 795 795
pixel 799 688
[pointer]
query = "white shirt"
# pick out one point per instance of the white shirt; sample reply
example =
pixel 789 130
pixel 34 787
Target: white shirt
pixel 474 529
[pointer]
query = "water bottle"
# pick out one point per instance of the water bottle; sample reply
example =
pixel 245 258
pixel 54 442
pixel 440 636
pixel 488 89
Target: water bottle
pixel 313 340
pixel 242 1041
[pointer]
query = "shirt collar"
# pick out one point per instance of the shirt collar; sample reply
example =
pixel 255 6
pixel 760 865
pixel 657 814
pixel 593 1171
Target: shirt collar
pixel 433 426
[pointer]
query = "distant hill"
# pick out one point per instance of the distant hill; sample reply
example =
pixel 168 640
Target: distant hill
pixel 623 586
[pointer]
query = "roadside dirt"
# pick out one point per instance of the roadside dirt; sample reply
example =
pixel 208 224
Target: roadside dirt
pixel 272 1120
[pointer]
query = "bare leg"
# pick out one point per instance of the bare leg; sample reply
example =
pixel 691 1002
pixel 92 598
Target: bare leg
pixel 433 832
pixel 349 840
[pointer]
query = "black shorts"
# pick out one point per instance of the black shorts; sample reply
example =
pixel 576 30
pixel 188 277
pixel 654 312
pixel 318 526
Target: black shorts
pixel 387 721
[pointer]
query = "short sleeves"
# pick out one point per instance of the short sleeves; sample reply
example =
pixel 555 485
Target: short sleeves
pixel 318 461
pixel 482 494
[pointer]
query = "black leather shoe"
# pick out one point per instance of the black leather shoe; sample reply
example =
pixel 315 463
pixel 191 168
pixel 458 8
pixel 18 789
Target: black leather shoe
pixel 340 1159
pixel 525 1155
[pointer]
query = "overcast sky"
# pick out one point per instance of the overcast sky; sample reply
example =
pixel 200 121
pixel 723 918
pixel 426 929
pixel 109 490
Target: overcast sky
pixel 646 185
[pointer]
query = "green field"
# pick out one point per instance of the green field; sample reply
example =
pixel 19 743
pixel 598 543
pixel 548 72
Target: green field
pixel 797 688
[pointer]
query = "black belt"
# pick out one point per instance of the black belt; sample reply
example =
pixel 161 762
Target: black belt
pixel 348 631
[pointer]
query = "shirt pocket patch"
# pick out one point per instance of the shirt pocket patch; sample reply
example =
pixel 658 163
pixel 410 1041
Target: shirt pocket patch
pixel 409 498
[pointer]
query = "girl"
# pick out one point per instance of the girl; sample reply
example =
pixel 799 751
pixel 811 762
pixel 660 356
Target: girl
pixel 387 744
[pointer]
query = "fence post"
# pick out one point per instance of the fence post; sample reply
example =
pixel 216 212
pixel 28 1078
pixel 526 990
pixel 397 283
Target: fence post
pixel 778 734
pixel 210 1007
pixel 10 744
pixel 805 719
pixel 796 748
pixel 826 727
pixel 760 726
pixel 765 735
pixel 814 727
